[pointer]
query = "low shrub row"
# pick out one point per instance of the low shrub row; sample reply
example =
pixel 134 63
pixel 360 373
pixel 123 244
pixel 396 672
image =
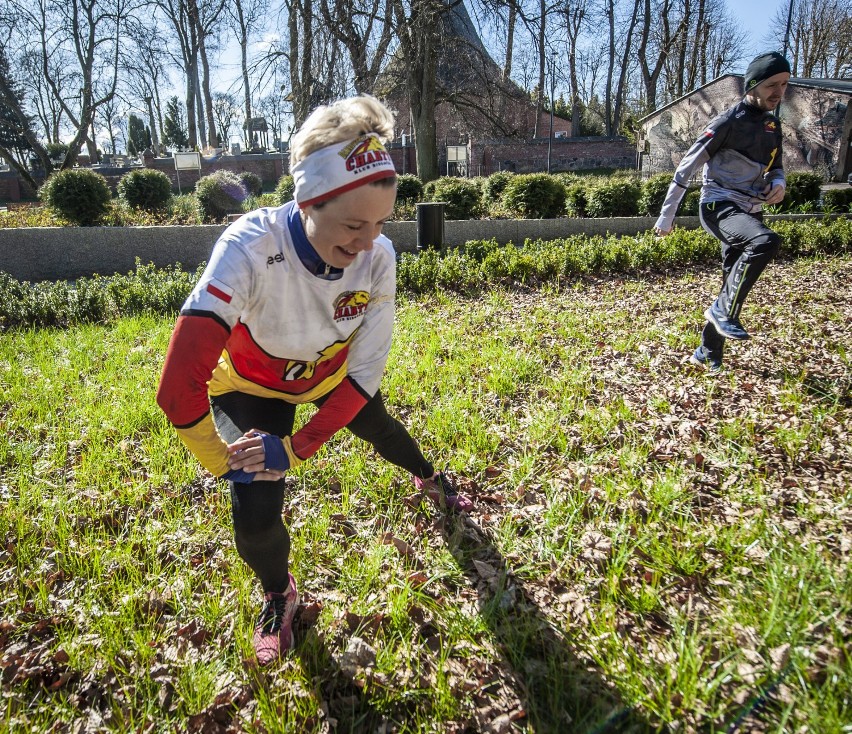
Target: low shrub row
pixel 467 269
pixel 82 197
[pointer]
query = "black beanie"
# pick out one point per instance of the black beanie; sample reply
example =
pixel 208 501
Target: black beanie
pixel 763 67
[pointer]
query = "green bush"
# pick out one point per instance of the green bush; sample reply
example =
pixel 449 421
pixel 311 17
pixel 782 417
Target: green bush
pixel 802 187
pixel 79 195
pixel 616 197
pixel 148 289
pixel 690 203
pixel 256 202
pixel 534 195
pixel 654 194
pixel 145 189
pixel 285 189
pixel 568 178
pixel 462 196
pixel 475 266
pixel 404 210
pixel 837 200
pixel 219 194
pixel 252 182
pixel 408 187
pixel 575 200
pixel 493 187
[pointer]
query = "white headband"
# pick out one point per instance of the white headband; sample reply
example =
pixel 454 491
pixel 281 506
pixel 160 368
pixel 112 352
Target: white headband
pixel 338 168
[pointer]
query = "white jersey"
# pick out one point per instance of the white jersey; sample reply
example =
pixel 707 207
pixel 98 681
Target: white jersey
pixel 259 322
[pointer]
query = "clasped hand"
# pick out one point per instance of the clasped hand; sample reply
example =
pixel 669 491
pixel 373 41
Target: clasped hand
pixel 249 455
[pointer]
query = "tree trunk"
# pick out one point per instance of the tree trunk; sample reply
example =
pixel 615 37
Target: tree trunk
pixel 243 64
pixel 192 131
pixel 510 39
pixel 610 68
pixel 212 140
pixel 152 123
pixel 539 106
pixel 618 107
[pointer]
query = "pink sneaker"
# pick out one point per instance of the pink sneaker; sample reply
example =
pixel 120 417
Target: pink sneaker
pixel 444 493
pixel 273 635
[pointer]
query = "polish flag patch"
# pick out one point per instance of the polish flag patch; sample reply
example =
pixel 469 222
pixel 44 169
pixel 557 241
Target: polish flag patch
pixel 220 290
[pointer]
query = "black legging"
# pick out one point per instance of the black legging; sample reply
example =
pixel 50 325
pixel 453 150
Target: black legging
pixel 745 240
pixel 261 538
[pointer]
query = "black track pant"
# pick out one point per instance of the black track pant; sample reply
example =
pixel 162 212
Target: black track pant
pixel 261 538
pixel 748 246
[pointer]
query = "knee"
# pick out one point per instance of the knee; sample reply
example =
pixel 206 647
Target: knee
pixel 256 515
pixel 253 525
pixel 767 244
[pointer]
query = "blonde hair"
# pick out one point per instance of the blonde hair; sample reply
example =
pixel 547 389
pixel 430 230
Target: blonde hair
pixel 345 119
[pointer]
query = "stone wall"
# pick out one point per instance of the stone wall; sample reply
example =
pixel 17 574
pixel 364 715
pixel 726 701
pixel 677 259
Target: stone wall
pixel 66 253
pixel 812 122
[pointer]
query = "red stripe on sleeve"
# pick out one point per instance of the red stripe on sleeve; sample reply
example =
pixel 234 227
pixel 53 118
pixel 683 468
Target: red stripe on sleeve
pixel 220 294
pixel 341 407
pixel 194 350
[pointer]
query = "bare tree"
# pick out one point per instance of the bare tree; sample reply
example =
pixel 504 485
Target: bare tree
pixel 614 98
pixel 193 21
pixel 821 37
pixel 145 74
pixel 227 112
pixel 18 134
pixel 656 42
pixel 246 16
pixel 365 29
pixel 82 38
pixel 275 108
pixel 573 14
pixel 418 26
pixel 47 108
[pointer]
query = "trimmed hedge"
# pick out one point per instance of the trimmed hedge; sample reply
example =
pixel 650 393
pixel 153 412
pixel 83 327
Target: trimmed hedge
pixel 614 197
pixel 252 182
pixel 471 268
pixel 534 195
pixel 462 196
pixel 146 189
pixel 494 186
pixel 654 191
pixel 408 187
pixel 837 200
pixel 802 188
pixel 285 189
pixel 219 194
pixel 79 195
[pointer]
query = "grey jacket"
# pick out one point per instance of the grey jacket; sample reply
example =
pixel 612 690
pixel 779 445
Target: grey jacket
pixel 742 156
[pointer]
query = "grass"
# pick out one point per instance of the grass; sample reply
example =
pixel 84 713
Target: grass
pixel 651 549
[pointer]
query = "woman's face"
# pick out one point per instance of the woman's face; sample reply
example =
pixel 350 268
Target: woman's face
pixel 348 224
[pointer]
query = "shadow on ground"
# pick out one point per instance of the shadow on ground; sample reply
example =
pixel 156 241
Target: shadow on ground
pixel 559 692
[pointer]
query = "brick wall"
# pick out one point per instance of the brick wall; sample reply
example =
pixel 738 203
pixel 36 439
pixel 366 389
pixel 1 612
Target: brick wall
pixel 269 166
pixel 566 154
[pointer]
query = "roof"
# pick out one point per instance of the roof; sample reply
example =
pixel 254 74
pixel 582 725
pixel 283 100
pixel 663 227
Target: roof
pixel 841 86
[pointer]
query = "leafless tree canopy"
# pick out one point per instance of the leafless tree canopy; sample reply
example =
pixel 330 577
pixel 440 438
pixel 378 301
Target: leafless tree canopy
pixel 81 67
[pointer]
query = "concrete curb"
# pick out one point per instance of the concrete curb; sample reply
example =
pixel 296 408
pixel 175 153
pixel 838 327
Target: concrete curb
pixel 67 253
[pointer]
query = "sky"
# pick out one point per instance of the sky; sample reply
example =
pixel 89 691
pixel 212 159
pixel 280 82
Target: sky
pixel 754 17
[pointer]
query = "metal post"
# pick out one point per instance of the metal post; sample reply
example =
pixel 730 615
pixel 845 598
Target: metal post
pixel 430 225
pixel 552 92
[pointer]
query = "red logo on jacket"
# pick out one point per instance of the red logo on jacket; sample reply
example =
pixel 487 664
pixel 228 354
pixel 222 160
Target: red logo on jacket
pixel 351 305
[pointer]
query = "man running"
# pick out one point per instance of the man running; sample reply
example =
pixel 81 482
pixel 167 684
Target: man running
pixel 743 170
